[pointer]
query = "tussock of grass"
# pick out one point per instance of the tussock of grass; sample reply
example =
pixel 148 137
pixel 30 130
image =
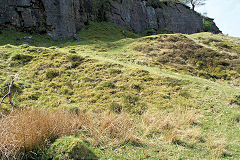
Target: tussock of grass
pixel 70 147
pixel 119 128
pixel 173 126
pixel 218 146
pixel 25 131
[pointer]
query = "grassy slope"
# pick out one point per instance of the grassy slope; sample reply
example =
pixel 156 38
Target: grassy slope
pixel 163 73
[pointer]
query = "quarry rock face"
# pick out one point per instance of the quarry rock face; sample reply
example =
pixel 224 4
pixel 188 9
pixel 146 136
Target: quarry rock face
pixel 138 16
pixel 62 18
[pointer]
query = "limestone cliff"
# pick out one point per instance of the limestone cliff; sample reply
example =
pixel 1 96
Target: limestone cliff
pixel 62 18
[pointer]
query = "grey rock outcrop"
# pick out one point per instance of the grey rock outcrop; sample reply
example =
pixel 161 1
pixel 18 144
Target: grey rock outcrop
pixel 62 18
pixel 137 15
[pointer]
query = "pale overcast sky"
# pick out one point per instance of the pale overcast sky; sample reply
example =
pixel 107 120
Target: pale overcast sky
pixel 226 14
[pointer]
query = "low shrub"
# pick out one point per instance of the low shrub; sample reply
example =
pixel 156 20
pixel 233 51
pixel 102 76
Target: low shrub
pixel 75 60
pixel 208 26
pixel 21 58
pixel 108 84
pixel 223 45
pixel 52 74
pixel 132 104
pixel 116 107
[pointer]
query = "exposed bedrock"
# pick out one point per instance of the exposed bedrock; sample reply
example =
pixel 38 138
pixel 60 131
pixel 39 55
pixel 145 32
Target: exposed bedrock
pixel 62 18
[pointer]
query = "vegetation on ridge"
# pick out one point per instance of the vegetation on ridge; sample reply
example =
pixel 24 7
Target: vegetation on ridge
pixel 166 96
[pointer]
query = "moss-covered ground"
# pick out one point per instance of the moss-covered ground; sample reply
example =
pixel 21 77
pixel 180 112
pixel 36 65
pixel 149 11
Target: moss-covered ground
pixel 170 74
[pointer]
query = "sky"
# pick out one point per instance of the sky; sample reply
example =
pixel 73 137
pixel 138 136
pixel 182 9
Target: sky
pixel 226 14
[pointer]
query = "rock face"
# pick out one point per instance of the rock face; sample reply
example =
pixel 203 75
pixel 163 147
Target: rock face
pixel 138 16
pixel 62 18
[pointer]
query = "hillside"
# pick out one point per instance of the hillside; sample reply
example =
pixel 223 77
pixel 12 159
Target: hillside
pixel 166 96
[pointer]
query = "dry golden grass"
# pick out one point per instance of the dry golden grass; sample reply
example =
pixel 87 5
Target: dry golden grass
pixel 217 146
pixel 25 131
pixel 172 126
pixel 22 132
pixel 119 128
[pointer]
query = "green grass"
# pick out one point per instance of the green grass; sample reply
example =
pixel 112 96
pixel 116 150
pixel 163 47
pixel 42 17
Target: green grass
pixel 140 75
